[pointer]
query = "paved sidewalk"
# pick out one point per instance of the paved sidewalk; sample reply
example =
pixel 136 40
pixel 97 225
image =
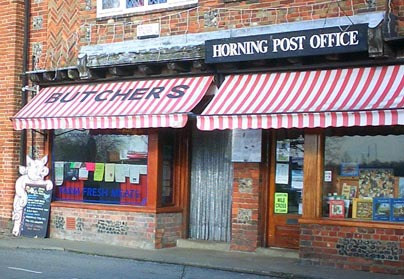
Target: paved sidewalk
pixel 255 263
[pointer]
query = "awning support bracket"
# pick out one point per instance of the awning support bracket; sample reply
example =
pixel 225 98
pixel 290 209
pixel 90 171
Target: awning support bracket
pixel 69 131
pixel 39 132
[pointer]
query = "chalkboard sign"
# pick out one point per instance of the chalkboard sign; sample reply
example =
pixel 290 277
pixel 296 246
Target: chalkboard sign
pixel 36 213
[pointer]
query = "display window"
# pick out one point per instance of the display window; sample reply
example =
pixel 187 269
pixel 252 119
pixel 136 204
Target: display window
pixel 105 168
pixel 364 177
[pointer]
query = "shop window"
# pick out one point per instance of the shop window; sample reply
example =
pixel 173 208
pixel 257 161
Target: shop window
pixel 167 186
pixel 100 167
pixel 118 7
pixel 289 174
pixel 364 177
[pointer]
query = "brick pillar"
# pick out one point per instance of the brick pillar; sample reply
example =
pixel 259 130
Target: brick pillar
pixel 11 53
pixel 245 234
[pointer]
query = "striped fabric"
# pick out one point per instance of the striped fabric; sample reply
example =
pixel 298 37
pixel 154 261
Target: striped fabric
pixel 327 98
pixel 125 104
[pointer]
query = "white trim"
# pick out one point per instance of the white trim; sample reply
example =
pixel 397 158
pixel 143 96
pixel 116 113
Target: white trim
pixel 123 10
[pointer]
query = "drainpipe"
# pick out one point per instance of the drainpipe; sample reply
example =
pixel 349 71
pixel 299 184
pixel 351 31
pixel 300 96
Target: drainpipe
pixel 24 80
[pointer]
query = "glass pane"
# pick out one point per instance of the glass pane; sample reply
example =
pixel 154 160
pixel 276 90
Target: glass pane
pixel 134 3
pixel 110 4
pixel 167 192
pixel 289 175
pixel 100 168
pixel 366 173
pixel 153 2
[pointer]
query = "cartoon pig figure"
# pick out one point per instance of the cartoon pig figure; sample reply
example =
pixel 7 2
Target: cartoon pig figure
pixel 33 174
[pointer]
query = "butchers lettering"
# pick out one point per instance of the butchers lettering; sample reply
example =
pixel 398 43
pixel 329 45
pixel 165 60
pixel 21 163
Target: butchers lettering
pixel 130 94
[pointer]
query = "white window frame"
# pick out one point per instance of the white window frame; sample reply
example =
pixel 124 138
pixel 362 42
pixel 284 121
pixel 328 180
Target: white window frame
pixel 121 10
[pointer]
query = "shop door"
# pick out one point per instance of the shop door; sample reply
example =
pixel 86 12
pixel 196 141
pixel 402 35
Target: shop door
pixel 211 186
pixel 285 194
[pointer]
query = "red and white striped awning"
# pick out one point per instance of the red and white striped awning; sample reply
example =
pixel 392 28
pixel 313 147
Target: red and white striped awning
pixel 124 104
pixel 327 98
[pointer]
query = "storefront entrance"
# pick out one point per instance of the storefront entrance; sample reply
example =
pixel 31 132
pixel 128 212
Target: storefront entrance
pixel 286 186
pixel 211 186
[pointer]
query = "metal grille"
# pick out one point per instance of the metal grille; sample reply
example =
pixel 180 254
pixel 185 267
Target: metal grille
pixel 211 186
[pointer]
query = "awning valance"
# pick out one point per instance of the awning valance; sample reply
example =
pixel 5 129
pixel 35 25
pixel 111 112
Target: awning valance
pixel 325 98
pixel 124 104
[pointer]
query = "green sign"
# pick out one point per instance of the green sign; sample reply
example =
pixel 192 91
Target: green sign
pixel 281 202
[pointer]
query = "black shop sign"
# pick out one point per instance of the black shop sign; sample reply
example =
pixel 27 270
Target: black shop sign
pixel 343 39
pixel 36 213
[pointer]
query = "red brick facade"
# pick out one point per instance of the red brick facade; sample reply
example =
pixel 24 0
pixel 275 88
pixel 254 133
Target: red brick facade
pixel 130 229
pixel 353 247
pixel 246 218
pixel 68 25
pixel 11 53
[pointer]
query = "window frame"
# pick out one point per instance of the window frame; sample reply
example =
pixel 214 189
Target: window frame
pixel 122 10
pixel 151 180
pixel 352 215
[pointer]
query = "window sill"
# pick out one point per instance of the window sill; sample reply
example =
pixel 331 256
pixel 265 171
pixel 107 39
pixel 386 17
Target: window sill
pixel 169 209
pixel 352 223
pixel 123 208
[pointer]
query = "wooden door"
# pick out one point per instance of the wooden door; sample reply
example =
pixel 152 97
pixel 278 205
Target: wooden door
pixel 285 189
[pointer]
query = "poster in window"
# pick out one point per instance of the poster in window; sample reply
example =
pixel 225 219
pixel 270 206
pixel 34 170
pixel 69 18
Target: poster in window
pixel 297 179
pixel 349 169
pixel 400 187
pixel 397 210
pixel 381 209
pixel 282 174
pixel 71 173
pixel 337 209
pixel 362 208
pixel 376 183
pixel 282 150
pixel 281 203
pixel 327 176
pixel 246 145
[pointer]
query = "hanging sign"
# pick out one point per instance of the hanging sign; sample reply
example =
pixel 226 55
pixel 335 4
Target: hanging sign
pixel 342 39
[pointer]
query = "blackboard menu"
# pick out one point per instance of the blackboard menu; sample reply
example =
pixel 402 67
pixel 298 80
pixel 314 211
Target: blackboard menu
pixel 36 213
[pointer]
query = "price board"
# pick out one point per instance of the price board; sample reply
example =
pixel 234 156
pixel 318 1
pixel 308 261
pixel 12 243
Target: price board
pixel 36 213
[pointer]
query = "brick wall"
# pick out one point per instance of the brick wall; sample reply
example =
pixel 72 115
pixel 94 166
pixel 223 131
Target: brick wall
pixel 130 229
pixel 397 9
pixel 60 28
pixel 168 229
pixel 245 234
pixel 350 247
pixel 11 53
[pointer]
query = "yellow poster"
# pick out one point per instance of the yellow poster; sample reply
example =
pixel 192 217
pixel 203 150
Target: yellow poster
pixel 99 172
pixel 281 203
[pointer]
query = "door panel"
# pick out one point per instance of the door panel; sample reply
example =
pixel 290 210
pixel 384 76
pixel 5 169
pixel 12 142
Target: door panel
pixel 285 189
